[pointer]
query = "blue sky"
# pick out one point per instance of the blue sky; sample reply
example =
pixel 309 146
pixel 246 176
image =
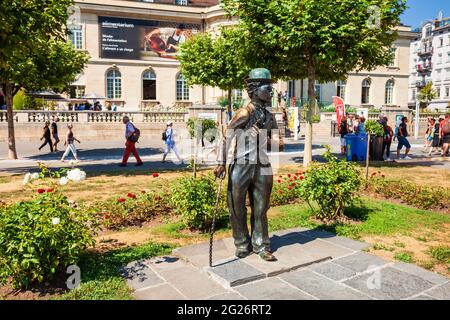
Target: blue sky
pixel 421 10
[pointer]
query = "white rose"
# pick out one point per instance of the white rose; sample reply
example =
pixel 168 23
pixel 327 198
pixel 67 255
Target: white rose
pixel 76 175
pixel 63 181
pixel 34 176
pixel 27 178
pixel 56 221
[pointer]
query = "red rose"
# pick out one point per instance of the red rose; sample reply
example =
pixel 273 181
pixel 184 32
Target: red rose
pixel 289 188
pixel 131 195
pixel 382 175
pixel 280 191
pixel 279 181
pixel 50 190
pixel 293 184
pixel 290 180
pixel 106 216
pixel 295 177
pixel 120 200
pixel 143 192
pixel 155 175
pixel 302 177
pixel 40 191
pixel 289 175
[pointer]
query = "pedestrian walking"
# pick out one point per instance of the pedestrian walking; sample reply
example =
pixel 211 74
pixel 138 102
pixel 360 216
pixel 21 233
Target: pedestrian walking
pixel 54 129
pixel 387 139
pixel 46 136
pixel 132 136
pixel 437 142
pixel 170 142
pixel 70 143
pixel 343 130
pixel 402 139
pixel 429 135
pixel 445 135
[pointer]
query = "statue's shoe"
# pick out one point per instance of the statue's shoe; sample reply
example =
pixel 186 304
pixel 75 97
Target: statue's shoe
pixel 267 256
pixel 241 254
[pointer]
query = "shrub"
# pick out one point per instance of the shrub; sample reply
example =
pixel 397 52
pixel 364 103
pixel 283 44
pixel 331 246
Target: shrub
pixel 331 186
pixel 423 197
pixel 195 198
pixel 374 128
pixel 42 236
pixel 285 189
pixel 131 210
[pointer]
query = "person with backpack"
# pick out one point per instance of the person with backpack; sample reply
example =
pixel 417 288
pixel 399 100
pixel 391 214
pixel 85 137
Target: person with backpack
pixel 70 143
pixel 168 138
pixel 46 135
pixel 445 135
pixel 387 139
pixel 132 135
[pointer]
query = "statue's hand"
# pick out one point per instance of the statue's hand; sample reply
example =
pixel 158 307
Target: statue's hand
pixel 220 172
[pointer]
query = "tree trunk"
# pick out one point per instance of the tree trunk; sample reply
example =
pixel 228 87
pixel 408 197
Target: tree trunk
pixel 9 95
pixel 307 158
pixel 230 105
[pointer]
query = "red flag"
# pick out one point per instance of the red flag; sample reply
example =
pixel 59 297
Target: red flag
pixel 339 105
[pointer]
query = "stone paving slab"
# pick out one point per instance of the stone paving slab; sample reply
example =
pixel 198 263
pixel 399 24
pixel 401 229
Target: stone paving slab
pixel 235 272
pixel 272 289
pixel 441 292
pixel 360 262
pixel 394 284
pixel 139 275
pixel 162 292
pixel 424 274
pixel 321 287
pixel 227 296
pixel 332 270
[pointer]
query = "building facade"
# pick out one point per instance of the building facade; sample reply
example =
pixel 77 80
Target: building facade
pixel 384 86
pixel 430 62
pixel 133 46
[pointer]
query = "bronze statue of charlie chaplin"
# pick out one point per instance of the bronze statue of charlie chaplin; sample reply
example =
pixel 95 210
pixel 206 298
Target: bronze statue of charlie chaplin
pixel 249 133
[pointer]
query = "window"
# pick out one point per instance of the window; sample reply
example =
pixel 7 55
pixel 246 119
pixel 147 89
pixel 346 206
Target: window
pixel 182 88
pixel 441 42
pixel 438 92
pixel 389 92
pixel 447 92
pixel 341 89
pixel 76 37
pixel 413 94
pixel 149 85
pixel 181 2
pixel 448 57
pixel 428 31
pixel 439 60
pixel 113 84
pixel 236 95
pixel 393 62
pixel 365 97
pixel 318 89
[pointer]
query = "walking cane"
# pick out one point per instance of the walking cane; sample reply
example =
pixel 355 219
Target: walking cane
pixel 213 225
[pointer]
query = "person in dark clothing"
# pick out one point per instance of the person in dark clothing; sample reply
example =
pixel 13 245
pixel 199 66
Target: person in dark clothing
pixel 47 136
pixel 343 130
pixel 387 138
pixel 54 130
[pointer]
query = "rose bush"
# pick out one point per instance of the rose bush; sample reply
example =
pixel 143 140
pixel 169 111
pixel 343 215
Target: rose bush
pixel 285 188
pixel 41 237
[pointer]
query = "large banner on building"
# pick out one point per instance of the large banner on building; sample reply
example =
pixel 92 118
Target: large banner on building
pixel 131 39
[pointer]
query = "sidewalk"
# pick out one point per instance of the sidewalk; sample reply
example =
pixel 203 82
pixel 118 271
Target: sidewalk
pixel 312 265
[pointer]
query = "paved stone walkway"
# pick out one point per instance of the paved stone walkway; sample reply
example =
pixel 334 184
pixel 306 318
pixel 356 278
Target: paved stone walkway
pixel 312 264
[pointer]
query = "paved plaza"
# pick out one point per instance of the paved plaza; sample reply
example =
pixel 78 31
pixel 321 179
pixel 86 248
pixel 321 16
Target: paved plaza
pixel 312 265
pixel 103 156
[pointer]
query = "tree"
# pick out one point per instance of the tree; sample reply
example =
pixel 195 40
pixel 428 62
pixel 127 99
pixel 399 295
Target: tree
pixel 427 94
pixel 34 51
pixel 317 39
pixel 215 62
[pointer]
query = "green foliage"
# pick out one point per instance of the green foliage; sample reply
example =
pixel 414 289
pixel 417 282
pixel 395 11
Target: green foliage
pixel 42 236
pixel 202 129
pixel 428 93
pixel 404 257
pixel 100 276
pixel 424 197
pixel 331 186
pixel 131 210
pixel 215 62
pixel 195 198
pixel 442 254
pixel 23 102
pixel 374 128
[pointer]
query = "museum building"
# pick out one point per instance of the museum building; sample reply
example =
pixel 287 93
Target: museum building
pixel 133 46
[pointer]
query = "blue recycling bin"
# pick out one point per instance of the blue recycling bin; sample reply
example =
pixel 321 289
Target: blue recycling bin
pixel 356 147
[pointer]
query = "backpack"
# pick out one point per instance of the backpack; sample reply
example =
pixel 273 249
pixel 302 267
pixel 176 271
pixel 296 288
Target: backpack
pixel 136 134
pixel 164 135
pixel 446 127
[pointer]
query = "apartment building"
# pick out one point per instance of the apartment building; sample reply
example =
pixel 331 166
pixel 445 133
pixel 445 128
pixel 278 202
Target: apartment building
pixel 430 62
